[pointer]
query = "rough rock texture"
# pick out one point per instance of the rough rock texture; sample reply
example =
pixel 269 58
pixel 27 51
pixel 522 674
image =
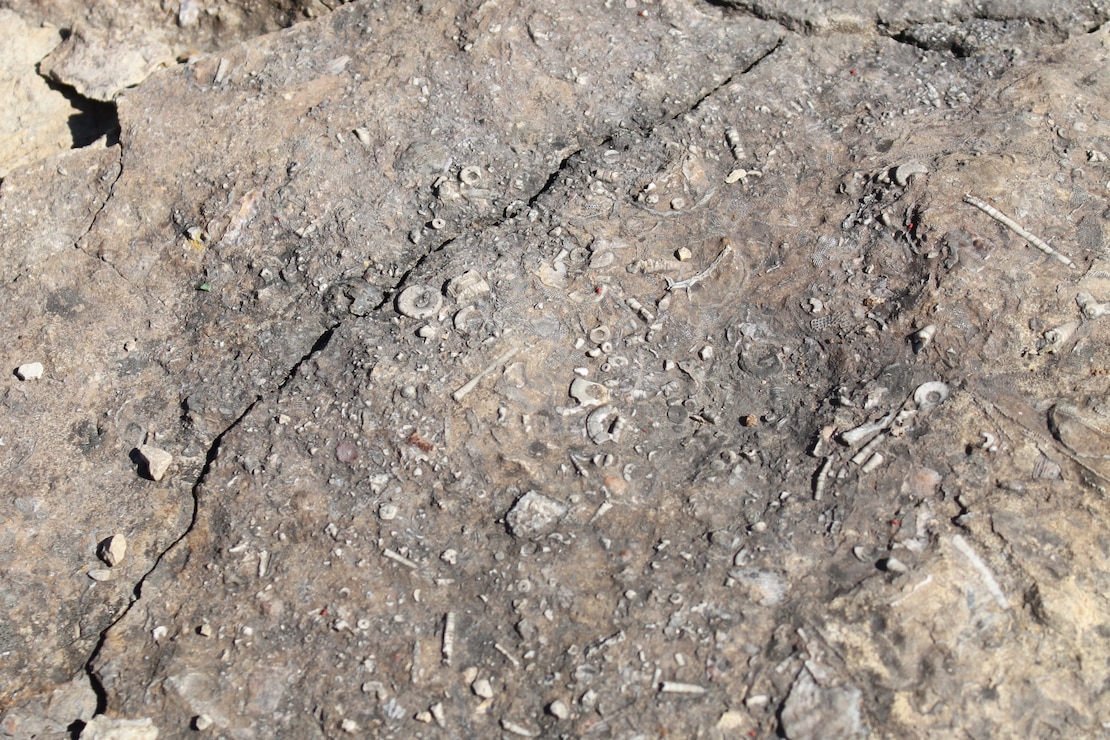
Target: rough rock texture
pixel 33 118
pixel 847 456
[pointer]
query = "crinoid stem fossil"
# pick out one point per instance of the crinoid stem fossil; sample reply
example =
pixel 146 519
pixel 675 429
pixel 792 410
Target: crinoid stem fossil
pixel 448 648
pixel 692 281
pixel 984 572
pixel 1018 229
pixel 473 382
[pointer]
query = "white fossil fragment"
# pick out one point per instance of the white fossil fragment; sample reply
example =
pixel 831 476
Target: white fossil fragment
pixel 652 266
pixel 923 337
pixel 508 656
pixel 516 729
pixel 399 558
pixel 419 302
pixel 1090 307
pixel 873 462
pixel 1057 337
pixel 473 382
pixel 903 172
pixel 1018 229
pixel 558 709
pixel 467 288
pixel 930 394
pixel 866 451
pixel 677 687
pixel 448 648
pixel 470 175
pixel 600 334
pixel 588 393
pixel 984 572
pixel 604 424
pixel 822 479
pixel 893 565
pixel 854 436
pixel 690 282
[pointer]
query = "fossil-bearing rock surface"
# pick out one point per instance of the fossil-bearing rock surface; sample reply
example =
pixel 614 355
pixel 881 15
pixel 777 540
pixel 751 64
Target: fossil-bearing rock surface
pixel 619 369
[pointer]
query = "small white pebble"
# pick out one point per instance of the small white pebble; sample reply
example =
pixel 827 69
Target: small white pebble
pixel 113 549
pixel 30 371
pixel 100 574
pixel 514 729
pixel 481 687
pixel 387 512
pixel 202 722
pixel 157 461
pixel 349 726
pixel 558 709
pixel 894 565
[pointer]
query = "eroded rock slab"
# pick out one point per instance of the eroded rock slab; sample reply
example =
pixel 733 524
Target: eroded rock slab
pixel 838 467
pixel 731 376
pixel 213 249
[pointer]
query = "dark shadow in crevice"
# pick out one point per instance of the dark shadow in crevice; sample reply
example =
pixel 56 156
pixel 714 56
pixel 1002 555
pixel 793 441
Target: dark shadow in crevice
pixel 93 120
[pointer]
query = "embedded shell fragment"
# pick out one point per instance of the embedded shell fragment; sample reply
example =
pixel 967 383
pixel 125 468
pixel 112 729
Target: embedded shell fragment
pixel 604 425
pixel 419 302
pixel 588 393
pixel 467 288
pixel 930 394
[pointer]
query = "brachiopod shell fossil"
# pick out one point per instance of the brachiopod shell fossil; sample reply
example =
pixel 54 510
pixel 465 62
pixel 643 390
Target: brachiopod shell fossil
pixel 419 302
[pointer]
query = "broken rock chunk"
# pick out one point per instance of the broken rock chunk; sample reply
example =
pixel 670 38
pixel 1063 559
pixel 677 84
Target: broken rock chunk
pixel 112 550
pixel 156 460
pixel 534 515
